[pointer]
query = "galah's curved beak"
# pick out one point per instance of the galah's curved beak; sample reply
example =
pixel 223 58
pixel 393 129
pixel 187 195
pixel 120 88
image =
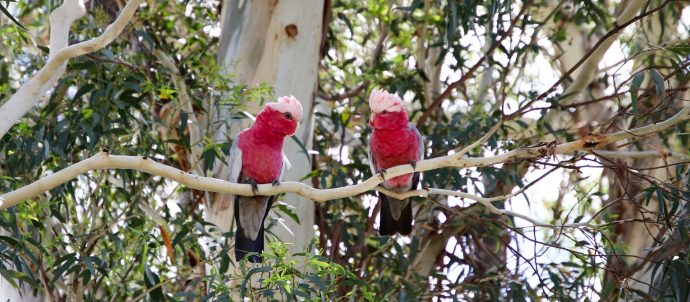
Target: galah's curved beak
pixel 372 120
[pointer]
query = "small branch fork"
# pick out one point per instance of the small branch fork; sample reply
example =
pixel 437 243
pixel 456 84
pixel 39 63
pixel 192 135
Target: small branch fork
pixel 104 160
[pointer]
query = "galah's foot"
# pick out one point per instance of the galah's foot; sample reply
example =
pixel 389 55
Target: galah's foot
pixel 413 163
pixel 382 172
pixel 255 187
pixel 275 183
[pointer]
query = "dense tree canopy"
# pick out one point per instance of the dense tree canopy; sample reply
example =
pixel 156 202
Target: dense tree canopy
pixel 503 85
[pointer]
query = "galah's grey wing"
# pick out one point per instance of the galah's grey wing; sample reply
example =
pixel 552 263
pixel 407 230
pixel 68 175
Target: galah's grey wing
pixel 421 142
pixel 235 161
pixel 372 162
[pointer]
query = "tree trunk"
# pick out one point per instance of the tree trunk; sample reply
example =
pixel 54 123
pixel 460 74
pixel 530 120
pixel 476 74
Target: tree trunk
pixel 277 42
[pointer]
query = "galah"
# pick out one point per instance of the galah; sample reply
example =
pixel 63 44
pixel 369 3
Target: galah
pixel 394 141
pixel 256 157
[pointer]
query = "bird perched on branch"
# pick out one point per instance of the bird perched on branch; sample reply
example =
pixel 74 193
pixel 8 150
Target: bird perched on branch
pixel 256 157
pixel 394 141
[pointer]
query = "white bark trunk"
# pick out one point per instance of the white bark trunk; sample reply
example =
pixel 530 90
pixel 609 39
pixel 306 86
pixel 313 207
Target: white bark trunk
pixel 9 293
pixel 277 42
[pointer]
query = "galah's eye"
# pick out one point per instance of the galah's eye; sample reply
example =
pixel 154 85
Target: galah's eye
pixel 384 112
pixel 287 115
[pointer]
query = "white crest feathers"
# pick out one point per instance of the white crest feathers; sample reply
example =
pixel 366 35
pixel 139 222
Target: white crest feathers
pixel 288 104
pixel 381 100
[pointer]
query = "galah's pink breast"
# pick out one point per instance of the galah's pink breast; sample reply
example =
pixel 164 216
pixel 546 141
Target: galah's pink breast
pixel 400 181
pixel 392 148
pixel 262 157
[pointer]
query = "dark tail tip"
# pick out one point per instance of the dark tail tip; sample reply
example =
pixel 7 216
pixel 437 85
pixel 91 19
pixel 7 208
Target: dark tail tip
pixel 245 246
pixel 388 225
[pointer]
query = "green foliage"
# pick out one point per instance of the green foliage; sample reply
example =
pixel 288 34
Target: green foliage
pixel 285 280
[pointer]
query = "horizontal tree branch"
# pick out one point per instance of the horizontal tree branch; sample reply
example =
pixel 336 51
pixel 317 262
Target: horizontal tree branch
pixel 104 160
pixel 623 154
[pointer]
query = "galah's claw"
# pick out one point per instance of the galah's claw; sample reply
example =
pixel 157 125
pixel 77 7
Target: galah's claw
pixel 275 183
pixel 382 172
pixel 255 187
pixel 413 163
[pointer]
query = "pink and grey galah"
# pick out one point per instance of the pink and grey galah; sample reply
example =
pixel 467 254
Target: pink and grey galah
pixel 394 141
pixel 256 157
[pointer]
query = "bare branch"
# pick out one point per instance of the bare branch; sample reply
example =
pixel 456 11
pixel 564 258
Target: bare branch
pixel 641 154
pixel 29 94
pixel 104 160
